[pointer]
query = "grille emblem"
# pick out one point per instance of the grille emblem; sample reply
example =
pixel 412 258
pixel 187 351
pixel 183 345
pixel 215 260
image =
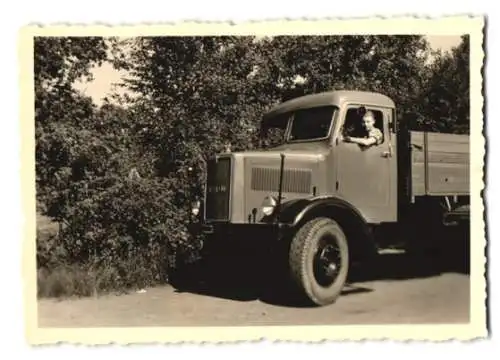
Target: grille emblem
pixel 218 189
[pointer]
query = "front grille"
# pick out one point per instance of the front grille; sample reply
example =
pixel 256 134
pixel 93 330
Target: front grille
pixel 294 180
pixel 218 189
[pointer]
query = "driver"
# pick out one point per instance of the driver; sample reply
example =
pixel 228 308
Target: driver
pixel 373 135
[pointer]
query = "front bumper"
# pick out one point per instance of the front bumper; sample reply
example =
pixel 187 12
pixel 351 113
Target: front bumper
pixel 226 228
pixel 252 246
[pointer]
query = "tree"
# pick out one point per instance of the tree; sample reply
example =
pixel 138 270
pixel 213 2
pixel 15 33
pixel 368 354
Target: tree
pixel 63 117
pixel 445 101
pixel 371 63
pixel 195 94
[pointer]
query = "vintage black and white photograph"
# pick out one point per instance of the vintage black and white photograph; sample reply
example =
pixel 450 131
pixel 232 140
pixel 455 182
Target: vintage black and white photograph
pixel 266 179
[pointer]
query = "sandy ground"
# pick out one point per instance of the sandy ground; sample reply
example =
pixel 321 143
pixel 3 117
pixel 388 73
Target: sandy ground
pixel 402 291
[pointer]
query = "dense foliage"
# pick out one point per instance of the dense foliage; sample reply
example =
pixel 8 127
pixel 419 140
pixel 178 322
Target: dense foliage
pixel 445 99
pixel 119 177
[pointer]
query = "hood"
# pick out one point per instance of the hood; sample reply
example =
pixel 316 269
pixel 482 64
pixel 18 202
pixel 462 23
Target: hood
pixel 257 174
pixel 301 151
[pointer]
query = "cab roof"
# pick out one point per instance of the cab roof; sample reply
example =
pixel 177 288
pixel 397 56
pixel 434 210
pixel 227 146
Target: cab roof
pixel 335 97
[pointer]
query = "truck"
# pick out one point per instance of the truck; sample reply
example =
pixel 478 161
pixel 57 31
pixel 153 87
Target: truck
pixel 314 203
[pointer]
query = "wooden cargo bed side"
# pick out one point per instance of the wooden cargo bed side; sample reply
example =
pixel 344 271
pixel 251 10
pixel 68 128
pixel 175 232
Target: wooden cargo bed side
pixel 439 164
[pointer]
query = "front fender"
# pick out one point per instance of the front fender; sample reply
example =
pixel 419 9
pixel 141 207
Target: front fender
pixel 295 213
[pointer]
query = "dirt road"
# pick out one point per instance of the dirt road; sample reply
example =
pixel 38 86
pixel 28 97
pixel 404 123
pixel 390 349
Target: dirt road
pixel 402 291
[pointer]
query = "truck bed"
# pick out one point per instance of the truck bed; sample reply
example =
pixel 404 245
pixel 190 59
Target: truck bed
pixel 439 164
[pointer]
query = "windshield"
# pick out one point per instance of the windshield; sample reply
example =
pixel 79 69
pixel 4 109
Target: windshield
pixel 311 124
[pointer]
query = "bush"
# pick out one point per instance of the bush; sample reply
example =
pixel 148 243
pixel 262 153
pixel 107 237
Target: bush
pixel 127 234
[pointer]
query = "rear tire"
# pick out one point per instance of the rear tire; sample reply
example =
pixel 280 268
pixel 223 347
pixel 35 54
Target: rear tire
pixel 319 260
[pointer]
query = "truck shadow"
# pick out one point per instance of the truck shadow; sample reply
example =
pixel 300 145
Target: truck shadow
pixel 403 266
pixel 391 266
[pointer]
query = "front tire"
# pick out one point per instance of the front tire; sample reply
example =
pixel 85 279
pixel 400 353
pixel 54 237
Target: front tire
pixel 319 260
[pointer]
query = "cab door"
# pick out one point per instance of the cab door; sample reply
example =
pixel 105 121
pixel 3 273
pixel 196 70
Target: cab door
pixel 366 176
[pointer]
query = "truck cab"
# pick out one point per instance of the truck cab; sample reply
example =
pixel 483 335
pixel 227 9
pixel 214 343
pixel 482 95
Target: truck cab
pixel 317 162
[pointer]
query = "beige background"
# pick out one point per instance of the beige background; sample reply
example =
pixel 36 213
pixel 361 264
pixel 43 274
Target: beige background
pixel 437 27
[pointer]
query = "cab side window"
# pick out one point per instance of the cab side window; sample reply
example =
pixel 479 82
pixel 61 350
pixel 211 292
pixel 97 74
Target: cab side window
pixel 353 124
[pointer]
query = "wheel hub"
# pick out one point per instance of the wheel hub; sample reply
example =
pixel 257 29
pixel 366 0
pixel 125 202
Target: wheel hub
pixel 327 264
pixel 330 269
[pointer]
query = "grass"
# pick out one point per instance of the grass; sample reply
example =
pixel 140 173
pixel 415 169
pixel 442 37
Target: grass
pixel 65 281
pixel 62 280
pixel 56 278
pixel 77 281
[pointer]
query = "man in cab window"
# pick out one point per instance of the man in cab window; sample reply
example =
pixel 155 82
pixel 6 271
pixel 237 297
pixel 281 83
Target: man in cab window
pixel 373 135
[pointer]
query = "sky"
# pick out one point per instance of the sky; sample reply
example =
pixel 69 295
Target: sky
pixel 105 76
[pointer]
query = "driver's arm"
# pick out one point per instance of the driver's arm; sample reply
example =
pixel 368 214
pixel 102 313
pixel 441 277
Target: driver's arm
pixel 375 138
pixel 361 141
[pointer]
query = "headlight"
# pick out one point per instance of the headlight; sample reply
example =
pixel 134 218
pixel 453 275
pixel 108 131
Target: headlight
pixel 268 205
pixel 195 208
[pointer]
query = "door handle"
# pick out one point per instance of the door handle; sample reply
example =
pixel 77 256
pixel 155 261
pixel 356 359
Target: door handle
pixel 386 154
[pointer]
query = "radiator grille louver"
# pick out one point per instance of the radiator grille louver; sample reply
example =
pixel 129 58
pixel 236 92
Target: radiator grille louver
pixel 294 180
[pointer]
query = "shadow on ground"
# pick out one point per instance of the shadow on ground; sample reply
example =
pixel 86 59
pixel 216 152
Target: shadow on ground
pixel 402 266
pixel 387 266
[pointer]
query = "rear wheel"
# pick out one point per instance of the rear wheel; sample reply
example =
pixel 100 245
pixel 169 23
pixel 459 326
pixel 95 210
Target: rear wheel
pixel 319 260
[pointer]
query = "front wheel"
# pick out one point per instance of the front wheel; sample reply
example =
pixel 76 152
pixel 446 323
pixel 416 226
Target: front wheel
pixel 319 260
